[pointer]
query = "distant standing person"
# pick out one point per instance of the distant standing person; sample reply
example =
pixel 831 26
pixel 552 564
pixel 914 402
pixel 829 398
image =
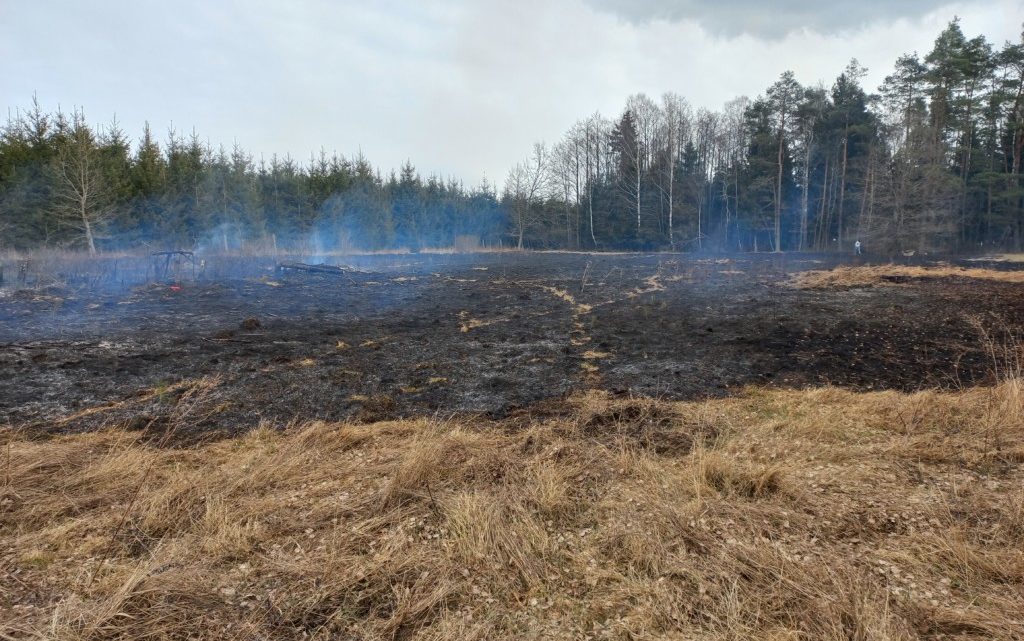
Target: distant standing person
pixel 856 248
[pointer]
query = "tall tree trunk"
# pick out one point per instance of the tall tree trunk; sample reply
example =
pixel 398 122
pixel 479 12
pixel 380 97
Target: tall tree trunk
pixel 89 238
pixel 700 231
pixel 638 177
pixel 590 208
pixel 568 225
pixel 578 209
pixel 1017 118
pixel 671 202
pixel 965 163
pixel 842 189
pixel 871 197
pixel 725 203
pixel 778 199
pixel 736 195
pixel 864 194
pixel 807 188
pixel 821 228
pixel 596 171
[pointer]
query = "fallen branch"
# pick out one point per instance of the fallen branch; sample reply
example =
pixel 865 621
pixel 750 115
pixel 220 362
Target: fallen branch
pixel 184 254
pixel 318 269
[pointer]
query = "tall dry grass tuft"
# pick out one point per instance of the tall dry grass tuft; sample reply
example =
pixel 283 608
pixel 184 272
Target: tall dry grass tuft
pixel 892 274
pixel 731 477
pixel 774 514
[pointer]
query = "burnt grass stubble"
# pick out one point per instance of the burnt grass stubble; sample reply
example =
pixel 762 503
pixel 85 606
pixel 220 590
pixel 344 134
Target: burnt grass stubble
pixel 491 334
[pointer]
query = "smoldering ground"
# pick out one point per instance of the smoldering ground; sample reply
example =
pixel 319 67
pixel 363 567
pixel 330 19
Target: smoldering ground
pixel 498 333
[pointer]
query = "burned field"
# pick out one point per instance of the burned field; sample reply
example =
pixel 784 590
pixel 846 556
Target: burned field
pixel 492 334
pixel 517 447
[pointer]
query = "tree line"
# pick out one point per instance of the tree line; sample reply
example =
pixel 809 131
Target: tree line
pixel 65 183
pixel 931 161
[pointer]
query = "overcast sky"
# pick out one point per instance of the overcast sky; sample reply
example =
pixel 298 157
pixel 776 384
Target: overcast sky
pixel 461 87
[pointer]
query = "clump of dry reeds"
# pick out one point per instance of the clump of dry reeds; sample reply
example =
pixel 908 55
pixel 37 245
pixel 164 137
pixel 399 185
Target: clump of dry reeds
pixel 819 514
pixel 874 275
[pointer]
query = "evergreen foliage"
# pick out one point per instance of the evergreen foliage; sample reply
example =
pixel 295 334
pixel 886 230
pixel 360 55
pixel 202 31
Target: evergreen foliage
pixel 932 162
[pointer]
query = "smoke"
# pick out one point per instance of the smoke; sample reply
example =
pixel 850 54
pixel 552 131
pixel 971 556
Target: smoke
pixel 225 237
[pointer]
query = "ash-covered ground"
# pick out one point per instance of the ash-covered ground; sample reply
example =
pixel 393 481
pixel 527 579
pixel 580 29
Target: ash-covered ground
pixel 476 333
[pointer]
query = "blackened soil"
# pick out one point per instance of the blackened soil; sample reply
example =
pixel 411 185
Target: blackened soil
pixel 487 333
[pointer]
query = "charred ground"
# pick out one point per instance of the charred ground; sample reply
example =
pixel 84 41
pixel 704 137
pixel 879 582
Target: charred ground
pixel 480 333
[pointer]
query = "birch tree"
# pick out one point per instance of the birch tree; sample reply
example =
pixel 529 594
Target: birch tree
pixel 596 131
pixel 568 159
pixel 81 199
pixel 524 187
pixel 675 133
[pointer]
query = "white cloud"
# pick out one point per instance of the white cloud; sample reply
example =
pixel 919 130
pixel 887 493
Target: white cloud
pixel 770 19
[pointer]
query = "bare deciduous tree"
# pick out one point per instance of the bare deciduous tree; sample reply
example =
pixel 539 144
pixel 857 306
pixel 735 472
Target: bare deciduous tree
pixel 568 175
pixel 645 115
pixel 524 187
pixel 81 195
pixel 597 133
pixel 708 154
pixel 733 140
pixel 675 133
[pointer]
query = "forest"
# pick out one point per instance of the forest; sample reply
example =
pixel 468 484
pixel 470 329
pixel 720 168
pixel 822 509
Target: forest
pixel 930 161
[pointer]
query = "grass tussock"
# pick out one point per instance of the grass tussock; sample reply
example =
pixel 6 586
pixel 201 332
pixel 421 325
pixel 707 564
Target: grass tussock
pixel 819 514
pixel 1005 258
pixel 875 275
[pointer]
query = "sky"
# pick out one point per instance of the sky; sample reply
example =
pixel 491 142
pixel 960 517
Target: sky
pixel 460 87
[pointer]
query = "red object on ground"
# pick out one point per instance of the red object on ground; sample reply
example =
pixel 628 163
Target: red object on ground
pixel 175 288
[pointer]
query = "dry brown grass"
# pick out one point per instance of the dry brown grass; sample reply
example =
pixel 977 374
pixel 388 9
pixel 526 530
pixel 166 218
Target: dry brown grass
pixel 872 275
pixel 1004 258
pixel 820 514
